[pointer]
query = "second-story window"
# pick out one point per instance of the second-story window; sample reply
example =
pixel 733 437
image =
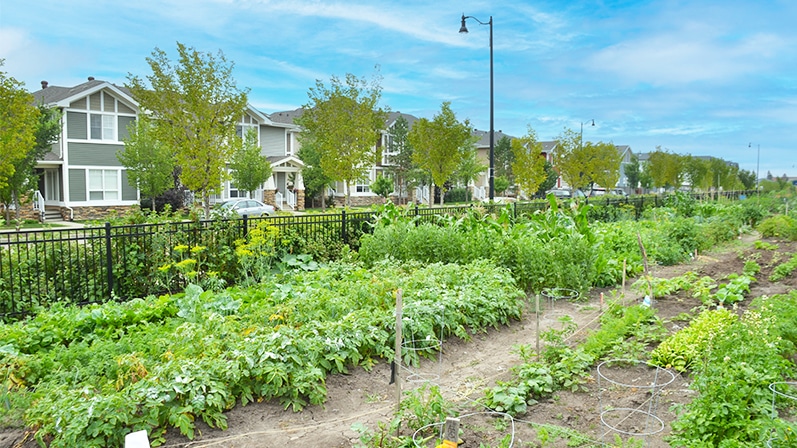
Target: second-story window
pixel 103 127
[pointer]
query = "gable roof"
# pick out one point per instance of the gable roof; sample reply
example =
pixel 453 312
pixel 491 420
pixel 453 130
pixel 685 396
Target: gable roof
pixel 286 116
pixel 63 96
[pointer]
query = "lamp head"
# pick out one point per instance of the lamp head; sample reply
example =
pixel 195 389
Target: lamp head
pixel 463 28
pixel 593 122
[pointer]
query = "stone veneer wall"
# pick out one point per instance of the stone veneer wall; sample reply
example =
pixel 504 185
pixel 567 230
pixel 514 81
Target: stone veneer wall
pixel 359 201
pixel 26 212
pixel 95 212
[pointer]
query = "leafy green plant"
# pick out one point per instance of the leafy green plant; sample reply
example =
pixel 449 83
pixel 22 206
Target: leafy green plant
pixel 779 226
pixel 784 269
pixel 688 346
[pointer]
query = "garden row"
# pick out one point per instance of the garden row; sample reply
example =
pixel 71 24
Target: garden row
pixel 194 354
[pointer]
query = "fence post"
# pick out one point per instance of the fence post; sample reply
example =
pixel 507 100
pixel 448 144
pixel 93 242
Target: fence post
pixel 109 259
pixel 246 225
pixel 514 211
pixel 343 235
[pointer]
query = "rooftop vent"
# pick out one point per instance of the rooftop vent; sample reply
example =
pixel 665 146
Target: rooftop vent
pixel 44 84
pixel 91 78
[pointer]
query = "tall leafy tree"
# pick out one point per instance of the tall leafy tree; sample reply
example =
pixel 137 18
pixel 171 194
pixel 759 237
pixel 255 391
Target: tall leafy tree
pixel 400 161
pixel 748 179
pixel 194 104
pixel 249 167
pixel 439 144
pixel 696 170
pixel 632 171
pixel 344 121
pixel 469 169
pixel 666 168
pixel 19 120
pixel 604 164
pixel 528 162
pixel 503 158
pixel 24 178
pixel 569 159
pixel 149 162
pixel 550 178
pixel 316 181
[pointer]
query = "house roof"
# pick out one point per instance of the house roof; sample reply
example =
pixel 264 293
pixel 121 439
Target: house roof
pixel 484 137
pixel 63 96
pixel 286 116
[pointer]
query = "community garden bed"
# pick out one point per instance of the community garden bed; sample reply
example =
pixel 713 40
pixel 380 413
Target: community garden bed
pixel 304 358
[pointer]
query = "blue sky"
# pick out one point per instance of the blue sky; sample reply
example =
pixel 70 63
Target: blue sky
pixel 696 77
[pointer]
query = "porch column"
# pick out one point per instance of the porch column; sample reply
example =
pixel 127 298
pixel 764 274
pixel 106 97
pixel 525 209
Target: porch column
pixel 298 188
pixel 270 192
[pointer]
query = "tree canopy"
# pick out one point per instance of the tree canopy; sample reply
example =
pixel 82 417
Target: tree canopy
pixel 249 167
pixel 149 162
pixel 528 162
pixel 194 105
pixel 343 121
pixel 400 160
pixel 19 120
pixel 439 144
pixel 583 164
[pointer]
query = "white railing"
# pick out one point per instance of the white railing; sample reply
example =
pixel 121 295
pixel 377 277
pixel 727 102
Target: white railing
pixel 422 194
pixel 479 193
pixel 291 199
pixel 38 204
pixel 279 200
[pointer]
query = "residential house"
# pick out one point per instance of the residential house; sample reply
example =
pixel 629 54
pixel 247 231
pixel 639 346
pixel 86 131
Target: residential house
pixel 81 177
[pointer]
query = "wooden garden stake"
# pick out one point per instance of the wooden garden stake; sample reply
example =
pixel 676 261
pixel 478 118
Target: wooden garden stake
pixel 397 357
pixel 645 264
pixel 624 274
pixel 537 310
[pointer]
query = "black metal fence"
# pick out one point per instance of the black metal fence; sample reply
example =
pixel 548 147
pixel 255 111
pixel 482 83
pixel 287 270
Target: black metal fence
pixel 96 264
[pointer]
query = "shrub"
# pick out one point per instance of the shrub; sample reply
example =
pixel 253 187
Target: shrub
pixel 779 226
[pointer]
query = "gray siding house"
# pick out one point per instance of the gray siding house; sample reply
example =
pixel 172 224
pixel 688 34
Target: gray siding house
pixel 81 177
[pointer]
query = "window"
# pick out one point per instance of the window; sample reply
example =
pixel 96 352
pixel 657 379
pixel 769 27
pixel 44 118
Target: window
pixel 103 127
pixel 363 185
pixel 103 185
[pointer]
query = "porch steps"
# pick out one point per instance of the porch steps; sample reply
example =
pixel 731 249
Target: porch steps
pixel 52 214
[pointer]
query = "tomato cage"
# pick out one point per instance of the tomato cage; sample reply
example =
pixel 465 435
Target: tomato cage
pixel 418 345
pixel 784 409
pixel 554 294
pixel 628 395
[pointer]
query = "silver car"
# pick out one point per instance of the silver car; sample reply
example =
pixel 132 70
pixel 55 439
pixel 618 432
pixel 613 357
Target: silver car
pixel 248 207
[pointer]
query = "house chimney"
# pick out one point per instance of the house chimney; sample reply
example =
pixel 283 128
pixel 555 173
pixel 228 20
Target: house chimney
pixel 91 78
pixel 44 84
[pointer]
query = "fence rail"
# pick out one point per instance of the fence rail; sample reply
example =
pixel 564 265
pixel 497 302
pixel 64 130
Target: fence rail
pixel 96 264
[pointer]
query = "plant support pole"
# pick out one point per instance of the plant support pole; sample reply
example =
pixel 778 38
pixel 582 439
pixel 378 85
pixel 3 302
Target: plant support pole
pixel 397 356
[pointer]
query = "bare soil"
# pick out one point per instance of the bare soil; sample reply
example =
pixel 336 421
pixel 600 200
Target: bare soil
pixel 466 368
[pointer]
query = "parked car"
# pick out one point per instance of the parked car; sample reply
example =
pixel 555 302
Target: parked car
pixel 596 192
pixel 248 207
pixel 619 192
pixel 559 192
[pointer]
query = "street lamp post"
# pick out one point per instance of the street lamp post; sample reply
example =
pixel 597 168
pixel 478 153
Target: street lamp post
pixel 581 134
pixel 491 176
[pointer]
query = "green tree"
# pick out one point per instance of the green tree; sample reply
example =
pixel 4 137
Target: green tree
pixel 439 144
pixel 194 105
pixel 604 164
pixel 528 163
pixel 748 179
pixel 500 184
pixel 696 170
pixel 720 174
pixel 24 179
pixel 550 178
pixel 149 162
pixel 469 169
pixel 382 186
pixel 632 172
pixel 19 120
pixel 666 168
pixel 400 160
pixel 316 181
pixel 249 167
pixel 569 158
pixel 344 123
pixel 503 158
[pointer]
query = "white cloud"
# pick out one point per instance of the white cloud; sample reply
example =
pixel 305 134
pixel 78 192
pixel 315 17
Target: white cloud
pixel 694 53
